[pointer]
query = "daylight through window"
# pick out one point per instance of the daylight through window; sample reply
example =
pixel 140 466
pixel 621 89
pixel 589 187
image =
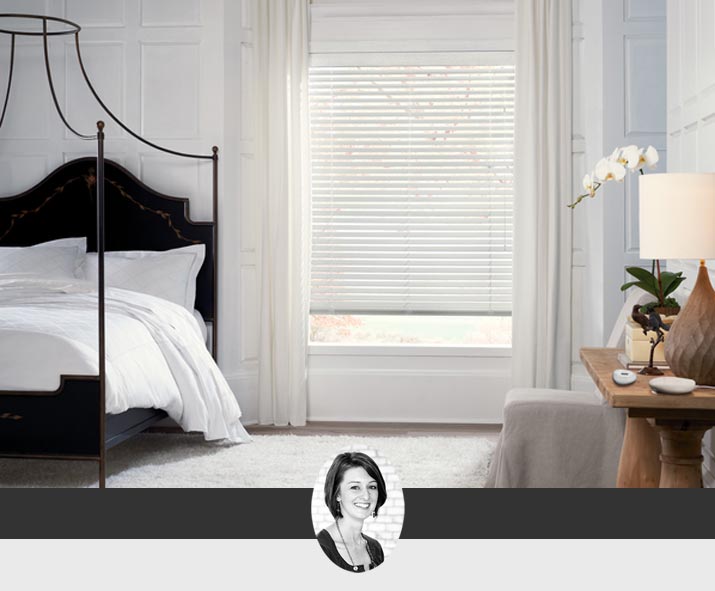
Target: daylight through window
pixel 412 200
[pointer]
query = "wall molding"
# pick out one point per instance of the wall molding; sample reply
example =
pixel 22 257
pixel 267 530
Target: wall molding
pixel 691 110
pixel 370 26
pixel 81 15
pixel 656 17
pixel 244 384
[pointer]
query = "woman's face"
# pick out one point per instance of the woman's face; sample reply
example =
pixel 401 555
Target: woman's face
pixel 357 493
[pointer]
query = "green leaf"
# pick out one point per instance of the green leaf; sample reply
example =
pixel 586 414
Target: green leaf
pixel 675 284
pixel 644 286
pixel 626 286
pixel 646 280
pixel 670 281
pixel 640 273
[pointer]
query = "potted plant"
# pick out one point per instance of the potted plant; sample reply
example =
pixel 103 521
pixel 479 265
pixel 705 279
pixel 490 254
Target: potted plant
pixel 659 285
pixel 614 168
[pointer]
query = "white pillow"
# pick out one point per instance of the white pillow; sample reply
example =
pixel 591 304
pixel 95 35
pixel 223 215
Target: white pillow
pixel 169 274
pixel 60 259
pixel 79 242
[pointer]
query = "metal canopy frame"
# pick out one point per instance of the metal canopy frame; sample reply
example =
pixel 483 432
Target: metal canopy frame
pixel 33 25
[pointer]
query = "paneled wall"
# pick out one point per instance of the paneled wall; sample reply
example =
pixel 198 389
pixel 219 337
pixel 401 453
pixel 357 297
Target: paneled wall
pixel 691 122
pixel 584 327
pixel 241 203
pixel 619 99
pixel 240 58
pixel 153 63
pixel 180 72
pixel 174 71
pixel 634 113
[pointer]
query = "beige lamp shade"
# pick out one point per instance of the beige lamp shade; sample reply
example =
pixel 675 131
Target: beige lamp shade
pixel 677 216
pixel 677 221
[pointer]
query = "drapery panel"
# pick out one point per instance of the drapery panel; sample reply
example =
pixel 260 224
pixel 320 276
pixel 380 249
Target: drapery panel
pixel 281 86
pixel 543 187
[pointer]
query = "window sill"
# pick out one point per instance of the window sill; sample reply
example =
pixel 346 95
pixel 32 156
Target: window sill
pixel 319 349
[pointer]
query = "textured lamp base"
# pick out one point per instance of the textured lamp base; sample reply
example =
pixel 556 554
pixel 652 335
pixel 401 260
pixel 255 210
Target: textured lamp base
pixel 690 346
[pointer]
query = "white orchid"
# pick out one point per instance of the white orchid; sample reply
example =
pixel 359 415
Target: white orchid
pixel 638 157
pixel 613 168
pixel 651 157
pixel 589 184
pixel 607 170
pixel 616 156
pixel 632 156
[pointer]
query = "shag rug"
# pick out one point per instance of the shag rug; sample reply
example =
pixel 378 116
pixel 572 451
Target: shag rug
pixel 158 460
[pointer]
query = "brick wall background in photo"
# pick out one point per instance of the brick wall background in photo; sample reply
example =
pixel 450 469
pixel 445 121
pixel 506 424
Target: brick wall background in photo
pixel 388 525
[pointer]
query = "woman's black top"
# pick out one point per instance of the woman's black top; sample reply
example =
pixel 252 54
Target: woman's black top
pixel 373 548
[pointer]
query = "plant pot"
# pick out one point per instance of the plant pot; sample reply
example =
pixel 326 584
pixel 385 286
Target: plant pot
pixel 667 311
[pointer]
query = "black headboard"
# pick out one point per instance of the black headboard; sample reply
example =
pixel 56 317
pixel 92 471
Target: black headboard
pixel 136 218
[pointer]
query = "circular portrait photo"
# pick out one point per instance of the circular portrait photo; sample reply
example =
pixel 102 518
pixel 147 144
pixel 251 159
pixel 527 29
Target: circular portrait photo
pixel 358 509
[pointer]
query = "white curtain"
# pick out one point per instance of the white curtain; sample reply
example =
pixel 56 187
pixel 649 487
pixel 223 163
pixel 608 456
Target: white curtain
pixel 283 191
pixel 543 188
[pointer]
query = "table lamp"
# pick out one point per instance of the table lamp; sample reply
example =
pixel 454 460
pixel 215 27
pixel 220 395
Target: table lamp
pixel 677 221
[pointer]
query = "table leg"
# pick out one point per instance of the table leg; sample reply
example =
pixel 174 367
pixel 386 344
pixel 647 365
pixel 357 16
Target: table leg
pixel 639 466
pixel 682 460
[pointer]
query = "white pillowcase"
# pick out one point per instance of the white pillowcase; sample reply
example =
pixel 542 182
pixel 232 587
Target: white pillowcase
pixel 61 259
pixel 78 242
pixel 169 274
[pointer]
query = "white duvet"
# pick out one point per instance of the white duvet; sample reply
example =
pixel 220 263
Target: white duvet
pixel 156 357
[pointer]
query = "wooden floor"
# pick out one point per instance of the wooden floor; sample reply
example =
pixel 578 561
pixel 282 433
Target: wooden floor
pixel 381 429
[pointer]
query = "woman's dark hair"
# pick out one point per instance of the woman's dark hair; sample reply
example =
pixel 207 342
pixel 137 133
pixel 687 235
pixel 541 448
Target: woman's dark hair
pixel 343 462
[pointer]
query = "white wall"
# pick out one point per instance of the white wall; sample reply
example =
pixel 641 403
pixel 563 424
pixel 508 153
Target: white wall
pixel 691 122
pixel 206 46
pixel 619 99
pixel 158 69
pixel 161 66
pixel 241 361
pixel 411 25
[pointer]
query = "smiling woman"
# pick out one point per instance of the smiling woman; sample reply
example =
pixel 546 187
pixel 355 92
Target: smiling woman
pixel 354 491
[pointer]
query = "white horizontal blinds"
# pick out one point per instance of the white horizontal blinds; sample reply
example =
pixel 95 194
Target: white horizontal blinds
pixel 412 193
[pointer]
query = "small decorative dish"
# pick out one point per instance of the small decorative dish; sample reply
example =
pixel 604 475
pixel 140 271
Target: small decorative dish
pixel 670 385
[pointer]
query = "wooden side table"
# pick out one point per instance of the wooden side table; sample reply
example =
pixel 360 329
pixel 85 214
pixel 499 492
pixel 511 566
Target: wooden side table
pixel 662 444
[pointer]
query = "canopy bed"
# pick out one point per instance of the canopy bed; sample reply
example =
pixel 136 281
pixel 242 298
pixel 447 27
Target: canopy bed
pixel 121 220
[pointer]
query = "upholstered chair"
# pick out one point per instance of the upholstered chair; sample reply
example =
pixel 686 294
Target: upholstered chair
pixel 561 438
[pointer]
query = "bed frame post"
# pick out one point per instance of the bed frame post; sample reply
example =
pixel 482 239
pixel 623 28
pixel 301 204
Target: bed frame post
pixel 214 328
pixel 70 400
pixel 100 302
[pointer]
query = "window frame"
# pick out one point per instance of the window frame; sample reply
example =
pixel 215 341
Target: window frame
pixel 408 350
pixel 466 57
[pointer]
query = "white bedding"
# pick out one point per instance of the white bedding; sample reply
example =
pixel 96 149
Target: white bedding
pixel 156 357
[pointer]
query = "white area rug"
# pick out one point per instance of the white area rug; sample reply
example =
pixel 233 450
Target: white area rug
pixel 270 461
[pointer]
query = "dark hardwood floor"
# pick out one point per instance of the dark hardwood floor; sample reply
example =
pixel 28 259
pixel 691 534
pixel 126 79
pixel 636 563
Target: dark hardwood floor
pixel 381 429
pixel 360 429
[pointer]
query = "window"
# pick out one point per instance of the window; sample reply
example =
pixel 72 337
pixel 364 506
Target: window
pixel 412 200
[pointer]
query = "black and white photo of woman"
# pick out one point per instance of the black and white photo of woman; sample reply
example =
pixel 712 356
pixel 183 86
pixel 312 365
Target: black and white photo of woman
pixel 355 491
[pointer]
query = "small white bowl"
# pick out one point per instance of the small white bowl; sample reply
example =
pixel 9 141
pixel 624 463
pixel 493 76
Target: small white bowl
pixel 670 385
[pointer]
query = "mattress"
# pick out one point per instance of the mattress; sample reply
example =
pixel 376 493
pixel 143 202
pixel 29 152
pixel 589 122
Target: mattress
pixel 156 352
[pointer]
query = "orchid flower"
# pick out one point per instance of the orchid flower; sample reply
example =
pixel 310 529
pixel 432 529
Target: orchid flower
pixel 607 170
pixel 589 184
pixel 613 168
pixel 632 155
pixel 650 157
pixel 616 156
